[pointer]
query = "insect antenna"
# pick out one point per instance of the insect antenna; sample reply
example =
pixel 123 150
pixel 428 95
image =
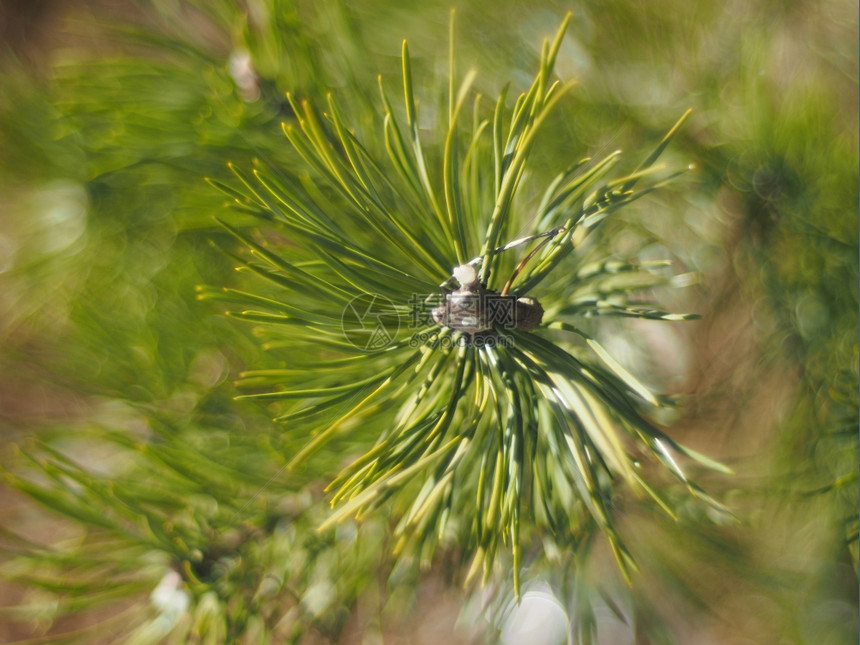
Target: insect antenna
pixel 549 235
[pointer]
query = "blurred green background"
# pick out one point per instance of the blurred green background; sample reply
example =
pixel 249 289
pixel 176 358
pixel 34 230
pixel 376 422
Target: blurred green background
pixel 113 113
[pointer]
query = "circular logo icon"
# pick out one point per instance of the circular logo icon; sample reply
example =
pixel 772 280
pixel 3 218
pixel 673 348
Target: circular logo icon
pixel 370 321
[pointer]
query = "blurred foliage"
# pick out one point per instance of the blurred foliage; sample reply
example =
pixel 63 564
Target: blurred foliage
pixel 116 384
